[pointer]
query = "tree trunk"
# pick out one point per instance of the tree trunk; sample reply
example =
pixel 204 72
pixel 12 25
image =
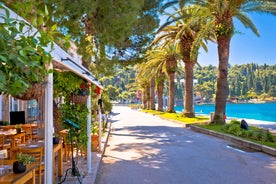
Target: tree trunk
pixel 189 90
pixel 160 89
pixel 171 92
pixel 144 99
pixel 148 96
pixel 221 90
pixel 152 94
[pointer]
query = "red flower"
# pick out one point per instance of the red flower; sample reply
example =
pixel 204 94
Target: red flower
pixel 82 86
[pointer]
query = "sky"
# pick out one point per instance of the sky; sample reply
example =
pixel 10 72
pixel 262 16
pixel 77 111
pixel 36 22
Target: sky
pixel 247 47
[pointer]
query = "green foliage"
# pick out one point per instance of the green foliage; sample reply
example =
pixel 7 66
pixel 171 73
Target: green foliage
pixel 23 158
pixel 178 117
pixel 255 134
pixel 123 25
pixel 224 30
pixel 135 106
pixel 107 106
pixel 245 81
pixel 67 83
pixel 77 114
pixel 95 128
pixel 4 123
pixel 23 59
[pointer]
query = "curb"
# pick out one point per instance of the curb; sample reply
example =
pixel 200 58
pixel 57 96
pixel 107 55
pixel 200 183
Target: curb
pixel 233 139
pixel 91 177
pixel 236 140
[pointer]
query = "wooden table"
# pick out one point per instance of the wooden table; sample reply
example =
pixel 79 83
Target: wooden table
pixel 67 146
pixel 57 149
pixel 18 136
pixel 23 126
pixel 14 136
pixel 27 176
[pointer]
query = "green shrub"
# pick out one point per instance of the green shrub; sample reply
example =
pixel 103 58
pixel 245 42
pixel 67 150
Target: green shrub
pixel 234 122
pixel 234 129
pixel 268 137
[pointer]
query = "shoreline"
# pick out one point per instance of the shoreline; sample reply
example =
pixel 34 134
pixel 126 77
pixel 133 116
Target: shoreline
pixel 252 122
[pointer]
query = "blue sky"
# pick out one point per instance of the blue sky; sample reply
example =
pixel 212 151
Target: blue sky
pixel 247 47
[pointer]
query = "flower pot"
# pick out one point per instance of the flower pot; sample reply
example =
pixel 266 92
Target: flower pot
pixel 79 99
pixel 33 92
pixel 55 140
pixel 95 142
pixel 18 167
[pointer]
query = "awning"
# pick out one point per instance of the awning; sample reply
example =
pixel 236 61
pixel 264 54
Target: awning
pixel 64 61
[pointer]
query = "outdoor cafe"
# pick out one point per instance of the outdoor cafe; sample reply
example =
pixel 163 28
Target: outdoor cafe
pixel 27 126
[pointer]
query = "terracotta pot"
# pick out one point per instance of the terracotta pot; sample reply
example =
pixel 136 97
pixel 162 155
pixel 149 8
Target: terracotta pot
pixel 95 142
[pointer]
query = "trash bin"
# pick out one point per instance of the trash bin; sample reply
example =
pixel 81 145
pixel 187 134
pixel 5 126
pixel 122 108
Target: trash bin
pixel 211 116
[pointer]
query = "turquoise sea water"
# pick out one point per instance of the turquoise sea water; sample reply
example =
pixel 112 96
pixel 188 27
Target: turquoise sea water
pixel 262 111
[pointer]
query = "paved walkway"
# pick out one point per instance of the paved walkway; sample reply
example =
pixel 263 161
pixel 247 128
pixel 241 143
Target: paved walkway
pixel 145 149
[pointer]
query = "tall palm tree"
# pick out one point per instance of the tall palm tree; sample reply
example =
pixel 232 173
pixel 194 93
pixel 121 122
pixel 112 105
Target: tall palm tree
pixel 187 26
pixel 221 13
pixel 152 94
pixel 165 61
pixel 160 80
pixel 142 83
pixel 147 73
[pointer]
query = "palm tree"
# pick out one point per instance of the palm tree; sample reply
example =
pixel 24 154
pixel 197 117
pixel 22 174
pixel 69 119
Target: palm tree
pixel 184 34
pixel 223 12
pixel 164 60
pixel 142 83
pixel 152 94
pixel 220 14
pixel 160 79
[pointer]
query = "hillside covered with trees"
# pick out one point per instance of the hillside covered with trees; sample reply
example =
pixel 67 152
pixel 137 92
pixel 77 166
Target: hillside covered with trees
pixel 246 81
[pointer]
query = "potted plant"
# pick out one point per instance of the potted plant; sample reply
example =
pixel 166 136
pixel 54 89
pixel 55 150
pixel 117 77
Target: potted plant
pixel 95 136
pixel 71 86
pixel 19 165
pixel 56 138
pixel 18 128
pixel 4 123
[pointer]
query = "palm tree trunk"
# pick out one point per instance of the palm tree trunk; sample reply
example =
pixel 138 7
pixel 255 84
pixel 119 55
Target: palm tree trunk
pixel 189 92
pixel 152 93
pixel 160 89
pixel 148 96
pixel 144 99
pixel 221 90
pixel 171 92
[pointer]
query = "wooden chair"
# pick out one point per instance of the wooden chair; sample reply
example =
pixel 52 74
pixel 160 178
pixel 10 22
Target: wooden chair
pixel 29 133
pixel 40 134
pixel 4 145
pixel 37 153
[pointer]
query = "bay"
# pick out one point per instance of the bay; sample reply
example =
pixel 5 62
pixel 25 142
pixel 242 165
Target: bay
pixel 259 111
